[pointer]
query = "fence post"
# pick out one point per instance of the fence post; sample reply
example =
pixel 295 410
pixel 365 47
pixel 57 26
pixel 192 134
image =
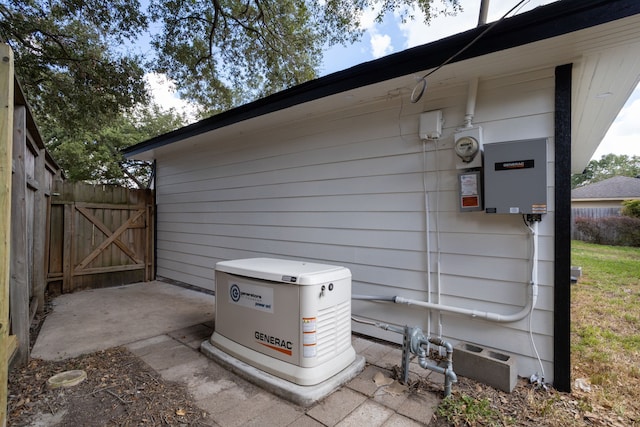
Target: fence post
pixel 20 286
pixel 67 251
pixel 6 134
pixel 39 277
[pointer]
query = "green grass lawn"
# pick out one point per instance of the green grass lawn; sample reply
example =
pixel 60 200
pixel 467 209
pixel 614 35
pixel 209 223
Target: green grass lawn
pixel 605 326
pixel 605 355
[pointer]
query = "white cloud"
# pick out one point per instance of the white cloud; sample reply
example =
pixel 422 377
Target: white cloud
pixel 417 32
pixel 164 94
pixel 380 44
pixel 368 19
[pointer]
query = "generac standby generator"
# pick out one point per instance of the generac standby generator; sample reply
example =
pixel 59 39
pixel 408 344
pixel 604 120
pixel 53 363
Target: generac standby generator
pixel 291 319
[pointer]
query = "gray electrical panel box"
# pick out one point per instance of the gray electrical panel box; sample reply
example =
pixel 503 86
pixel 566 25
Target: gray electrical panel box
pixel 515 177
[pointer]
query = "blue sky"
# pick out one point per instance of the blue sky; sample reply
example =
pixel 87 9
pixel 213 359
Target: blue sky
pixel 392 36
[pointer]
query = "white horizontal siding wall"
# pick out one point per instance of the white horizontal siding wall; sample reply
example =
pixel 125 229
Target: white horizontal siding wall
pixel 347 188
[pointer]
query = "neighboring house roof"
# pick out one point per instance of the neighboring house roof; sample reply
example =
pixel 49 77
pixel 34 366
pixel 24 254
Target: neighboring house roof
pixel 618 187
pixel 591 34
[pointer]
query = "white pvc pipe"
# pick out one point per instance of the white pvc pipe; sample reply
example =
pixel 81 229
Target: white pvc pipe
pixel 487 315
pixel 427 227
pixel 471 102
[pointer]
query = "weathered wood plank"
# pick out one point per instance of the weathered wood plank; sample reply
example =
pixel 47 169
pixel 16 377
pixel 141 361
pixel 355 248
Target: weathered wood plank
pixel 19 288
pixel 107 232
pixel 67 255
pixel 112 269
pixel 110 206
pixel 56 239
pixel 6 155
pixel 109 240
pixel 12 346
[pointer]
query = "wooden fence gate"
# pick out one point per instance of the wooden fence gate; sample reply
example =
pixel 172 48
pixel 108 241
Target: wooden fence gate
pixel 99 236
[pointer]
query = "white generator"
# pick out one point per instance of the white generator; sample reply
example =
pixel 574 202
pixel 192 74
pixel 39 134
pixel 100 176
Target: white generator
pixel 289 318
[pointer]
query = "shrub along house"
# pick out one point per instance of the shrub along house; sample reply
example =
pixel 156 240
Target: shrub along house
pixel 347 170
pixel 597 211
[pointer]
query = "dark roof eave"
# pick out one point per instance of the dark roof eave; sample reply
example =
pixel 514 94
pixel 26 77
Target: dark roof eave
pixel 544 22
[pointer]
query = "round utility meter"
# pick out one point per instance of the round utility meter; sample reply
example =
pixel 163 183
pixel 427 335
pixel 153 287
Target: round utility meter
pixel 466 148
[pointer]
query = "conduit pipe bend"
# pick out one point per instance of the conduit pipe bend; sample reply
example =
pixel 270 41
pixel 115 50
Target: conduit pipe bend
pixel 532 296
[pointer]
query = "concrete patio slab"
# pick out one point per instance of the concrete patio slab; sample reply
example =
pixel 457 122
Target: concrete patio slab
pixel 97 319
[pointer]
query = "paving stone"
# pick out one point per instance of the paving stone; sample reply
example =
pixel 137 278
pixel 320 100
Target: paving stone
pixel 168 354
pixel 306 421
pixel 390 359
pixel 193 335
pixel 398 420
pixel 420 407
pixel 217 395
pixel 279 413
pixel 364 383
pixel 360 344
pixel 376 352
pixel 336 406
pixel 368 414
pixel 245 410
pixel 388 399
pixel 186 372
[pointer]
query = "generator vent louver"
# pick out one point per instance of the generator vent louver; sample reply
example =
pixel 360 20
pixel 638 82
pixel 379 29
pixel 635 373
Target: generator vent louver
pixel 288 318
pixel 334 326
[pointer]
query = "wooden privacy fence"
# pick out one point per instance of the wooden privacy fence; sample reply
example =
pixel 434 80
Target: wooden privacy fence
pixel 590 213
pixel 100 236
pixel 27 173
pixel 6 153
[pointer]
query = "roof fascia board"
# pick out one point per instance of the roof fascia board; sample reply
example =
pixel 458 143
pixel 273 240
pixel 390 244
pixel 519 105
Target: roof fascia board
pixel 544 22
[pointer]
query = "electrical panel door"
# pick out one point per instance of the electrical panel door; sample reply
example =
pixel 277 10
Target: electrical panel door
pixel 515 177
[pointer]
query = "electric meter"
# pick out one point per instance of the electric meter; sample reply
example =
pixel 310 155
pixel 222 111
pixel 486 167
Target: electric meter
pixel 466 148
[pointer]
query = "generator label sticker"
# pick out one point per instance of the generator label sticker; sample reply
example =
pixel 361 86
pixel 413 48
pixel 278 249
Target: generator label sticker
pixel 273 342
pixel 309 337
pixel 469 184
pixel 515 164
pixel 251 296
pixel 539 208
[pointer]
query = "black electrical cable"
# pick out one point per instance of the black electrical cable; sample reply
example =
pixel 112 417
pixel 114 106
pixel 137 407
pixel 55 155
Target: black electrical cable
pixel 423 79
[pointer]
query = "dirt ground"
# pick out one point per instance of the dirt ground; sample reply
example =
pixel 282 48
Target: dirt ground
pixel 120 390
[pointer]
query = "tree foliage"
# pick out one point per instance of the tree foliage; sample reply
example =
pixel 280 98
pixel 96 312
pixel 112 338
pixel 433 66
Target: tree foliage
pixel 608 166
pixel 67 59
pixel 74 61
pixel 100 150
pixel 631 208
pixel 227 52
